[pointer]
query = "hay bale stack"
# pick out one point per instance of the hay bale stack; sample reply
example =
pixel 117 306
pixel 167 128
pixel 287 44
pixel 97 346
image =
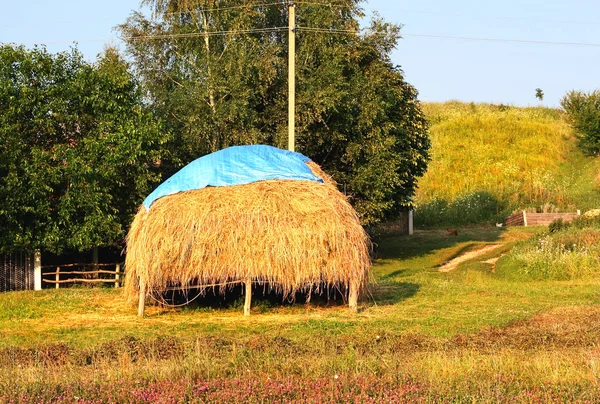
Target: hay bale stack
pixel 291 235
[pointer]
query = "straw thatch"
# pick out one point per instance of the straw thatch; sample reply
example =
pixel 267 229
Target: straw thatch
pixel 290 235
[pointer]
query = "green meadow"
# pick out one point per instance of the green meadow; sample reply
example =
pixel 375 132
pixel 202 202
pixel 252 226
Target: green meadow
pixel 469 334
pixel 492 314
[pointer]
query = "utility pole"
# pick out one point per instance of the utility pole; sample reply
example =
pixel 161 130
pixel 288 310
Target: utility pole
pixel 291 75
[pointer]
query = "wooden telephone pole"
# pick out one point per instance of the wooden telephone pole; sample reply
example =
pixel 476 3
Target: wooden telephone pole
pixel 291 75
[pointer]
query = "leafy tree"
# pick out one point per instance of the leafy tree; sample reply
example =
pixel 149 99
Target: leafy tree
pixel 583 110
pixel 77 149
pixel 216 72
pixel 539 94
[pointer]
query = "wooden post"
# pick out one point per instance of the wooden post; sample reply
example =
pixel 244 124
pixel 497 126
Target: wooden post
pixel 117 276
pixel 353 297
pixel 524 218
pixel 37 270
pixel 142 302
pixel 57 278
pixel 95 261
pixel 248 301
pixel 291 76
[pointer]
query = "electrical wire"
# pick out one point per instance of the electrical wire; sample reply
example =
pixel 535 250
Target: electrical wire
pixel 496 17
pixel 211 10
pixel 524 41
pixel 462 38
pixel 204 33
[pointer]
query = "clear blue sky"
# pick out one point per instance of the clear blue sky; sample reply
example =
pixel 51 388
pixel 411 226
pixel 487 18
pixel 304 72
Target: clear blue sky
pixel 447 67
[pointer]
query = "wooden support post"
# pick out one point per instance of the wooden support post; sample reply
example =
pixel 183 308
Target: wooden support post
pixel 37 270
pixel 95 262
pixel 57 277
pixel 248 301
pixel 353 297
pixel 291 76
pixel 524 218
pixel 142 302
pixel 118 276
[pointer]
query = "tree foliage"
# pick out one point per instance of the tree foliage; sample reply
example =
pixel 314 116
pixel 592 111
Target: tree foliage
pixel 216 72
pixel 539 94
pixel 77 149
pixel 583 110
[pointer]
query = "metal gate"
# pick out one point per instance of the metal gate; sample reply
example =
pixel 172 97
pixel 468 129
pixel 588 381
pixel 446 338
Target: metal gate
pixel 16 271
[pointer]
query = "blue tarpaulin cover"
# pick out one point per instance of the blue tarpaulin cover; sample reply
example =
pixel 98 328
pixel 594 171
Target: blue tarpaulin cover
pixel 236 165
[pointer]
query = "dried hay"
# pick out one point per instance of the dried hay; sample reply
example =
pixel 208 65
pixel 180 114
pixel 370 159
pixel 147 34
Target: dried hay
pixel 290 235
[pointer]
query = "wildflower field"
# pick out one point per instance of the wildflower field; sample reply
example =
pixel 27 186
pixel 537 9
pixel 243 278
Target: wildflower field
pixel 489 160
pixel 473 334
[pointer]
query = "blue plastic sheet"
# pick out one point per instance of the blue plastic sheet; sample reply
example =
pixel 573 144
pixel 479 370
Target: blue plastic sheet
pixel 236 165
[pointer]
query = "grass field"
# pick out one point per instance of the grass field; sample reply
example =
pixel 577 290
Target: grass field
pixel 489 160
pixel 518 323
pixel 421 335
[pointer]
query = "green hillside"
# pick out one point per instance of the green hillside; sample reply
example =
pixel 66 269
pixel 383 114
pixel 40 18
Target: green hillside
pixel 489 160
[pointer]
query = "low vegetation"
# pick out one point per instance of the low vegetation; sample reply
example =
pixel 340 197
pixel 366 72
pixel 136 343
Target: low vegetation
pixel 472 334
pixel 489 160
pixel 565 251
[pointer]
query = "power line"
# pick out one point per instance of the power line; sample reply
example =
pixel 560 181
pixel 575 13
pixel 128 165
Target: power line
pixel 496 17
pixel 204 33
pixel 210 10
pixel 314 30
pixel 525 41
pixel 462 38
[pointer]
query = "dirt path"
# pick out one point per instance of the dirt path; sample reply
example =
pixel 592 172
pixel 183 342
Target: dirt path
pixel 453 263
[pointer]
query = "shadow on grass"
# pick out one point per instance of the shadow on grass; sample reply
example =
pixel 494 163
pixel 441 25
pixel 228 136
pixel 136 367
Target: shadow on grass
pixel 263 299
pixel 393 292
pixel 425 242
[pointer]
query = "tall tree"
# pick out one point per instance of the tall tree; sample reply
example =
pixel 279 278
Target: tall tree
pixel 216 71
pixel 77 149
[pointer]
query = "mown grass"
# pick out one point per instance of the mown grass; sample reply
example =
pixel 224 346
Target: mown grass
pixel 489 160
pixel 423 335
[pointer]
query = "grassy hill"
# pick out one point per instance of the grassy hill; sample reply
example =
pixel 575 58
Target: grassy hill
pixel 489 160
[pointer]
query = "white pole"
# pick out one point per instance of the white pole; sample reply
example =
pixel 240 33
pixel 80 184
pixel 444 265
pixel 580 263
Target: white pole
pixel 291 76
pixel 410 222
pixel 37 270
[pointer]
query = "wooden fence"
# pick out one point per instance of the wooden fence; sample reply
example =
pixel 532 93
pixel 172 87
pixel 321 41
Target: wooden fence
pixel 76 273
pixel 538 219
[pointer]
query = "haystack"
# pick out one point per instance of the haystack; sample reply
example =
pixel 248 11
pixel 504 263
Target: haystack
pixel 290 235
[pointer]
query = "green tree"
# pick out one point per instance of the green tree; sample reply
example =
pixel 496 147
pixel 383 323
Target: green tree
pixel 216 72
pixel 539 94
pixel 78 149
pixel 583 110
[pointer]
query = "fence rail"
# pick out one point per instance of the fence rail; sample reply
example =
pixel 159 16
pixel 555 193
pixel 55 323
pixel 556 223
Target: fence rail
pixel 538 219
pixel 57 281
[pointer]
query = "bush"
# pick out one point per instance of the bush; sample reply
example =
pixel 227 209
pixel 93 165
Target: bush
pixel 472 208
pixel 583 110
pixel 558 225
